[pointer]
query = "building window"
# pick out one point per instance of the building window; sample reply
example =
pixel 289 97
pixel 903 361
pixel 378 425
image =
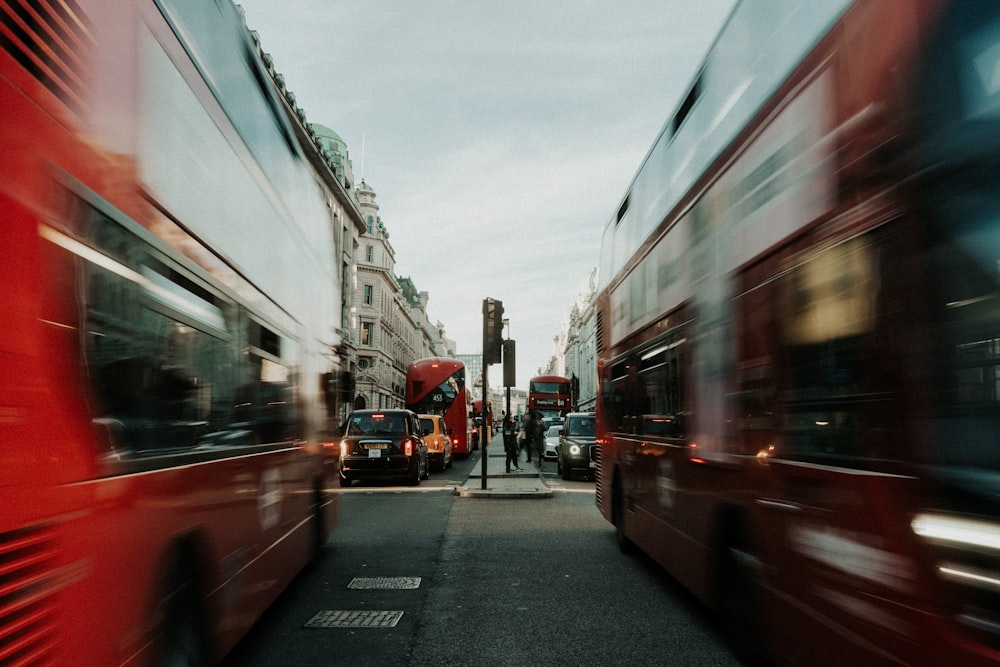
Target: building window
pixel 371 225
pixel 368 333
pixel 369 295
pixel 370 254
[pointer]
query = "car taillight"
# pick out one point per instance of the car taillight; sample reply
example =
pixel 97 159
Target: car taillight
pixel 408 448
pixel 345 449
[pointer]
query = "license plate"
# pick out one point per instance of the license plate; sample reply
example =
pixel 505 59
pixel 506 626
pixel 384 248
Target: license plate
pixel 374 445
pixel 593 464
pixel 375 453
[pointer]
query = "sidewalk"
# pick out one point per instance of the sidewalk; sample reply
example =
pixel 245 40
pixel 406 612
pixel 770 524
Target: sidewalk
pixel 499 483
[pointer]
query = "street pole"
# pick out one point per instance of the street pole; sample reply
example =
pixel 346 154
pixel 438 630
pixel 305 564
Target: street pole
pixel 487 355
pixel 507 345
pixel 492 343
pixel 485 432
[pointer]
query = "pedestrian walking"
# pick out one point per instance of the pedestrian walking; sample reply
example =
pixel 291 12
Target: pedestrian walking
pixel 510 443
pixel 527 433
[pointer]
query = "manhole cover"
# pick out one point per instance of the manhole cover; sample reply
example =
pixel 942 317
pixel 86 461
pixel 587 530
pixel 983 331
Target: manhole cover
pixel 355 619
pixel 384 583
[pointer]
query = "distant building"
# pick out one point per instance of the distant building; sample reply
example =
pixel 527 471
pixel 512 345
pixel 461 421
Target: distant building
pixel 393 329
pixel 334 149
pixel 383 319
pixel 473 373
pixel 576 346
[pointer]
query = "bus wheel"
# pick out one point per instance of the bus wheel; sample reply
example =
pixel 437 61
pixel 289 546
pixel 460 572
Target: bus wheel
pixel 618 517
pixel 183 636
pixel 736 598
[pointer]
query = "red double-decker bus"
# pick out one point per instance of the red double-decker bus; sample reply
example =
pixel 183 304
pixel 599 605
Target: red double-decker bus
pixel 550 395
pixel 162 367
pixel 436 386
pixel 799 335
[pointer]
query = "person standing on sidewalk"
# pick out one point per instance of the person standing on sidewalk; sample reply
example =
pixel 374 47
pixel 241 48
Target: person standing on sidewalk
pixel 539 439
pixel 527 432
pixel 510 443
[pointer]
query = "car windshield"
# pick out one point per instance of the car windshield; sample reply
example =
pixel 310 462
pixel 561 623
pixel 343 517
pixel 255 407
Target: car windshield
pixel 553 431
pixel 376 424
pixel 427 424
pixel 581 426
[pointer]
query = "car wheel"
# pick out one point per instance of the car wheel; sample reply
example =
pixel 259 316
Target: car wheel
pixel 427 469
pixel 567 472
pixel 345 481
pixel 415 475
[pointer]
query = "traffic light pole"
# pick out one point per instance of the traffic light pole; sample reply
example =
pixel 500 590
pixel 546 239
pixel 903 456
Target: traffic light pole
pixel 484 439
pixel 492 342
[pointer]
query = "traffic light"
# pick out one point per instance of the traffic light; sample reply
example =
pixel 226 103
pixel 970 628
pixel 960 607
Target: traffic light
pixel 508 364
pixel 492 331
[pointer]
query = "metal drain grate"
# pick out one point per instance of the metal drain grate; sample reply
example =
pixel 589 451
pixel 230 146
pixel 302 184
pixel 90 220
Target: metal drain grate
pixel 355 619
pixel 384 583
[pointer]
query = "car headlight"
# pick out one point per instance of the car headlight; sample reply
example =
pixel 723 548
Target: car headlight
pixel 574 450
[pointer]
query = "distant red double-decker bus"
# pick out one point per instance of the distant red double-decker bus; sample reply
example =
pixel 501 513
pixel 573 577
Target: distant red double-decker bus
pixel 436 386
pixel 161 401
pixel 799 335
pixel 550 395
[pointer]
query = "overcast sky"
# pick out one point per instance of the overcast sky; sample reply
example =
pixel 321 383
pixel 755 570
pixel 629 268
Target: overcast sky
pixel 499 137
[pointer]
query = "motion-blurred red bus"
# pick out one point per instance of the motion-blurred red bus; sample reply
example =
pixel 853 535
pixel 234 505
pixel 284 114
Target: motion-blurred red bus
pixel 160 394
pixel 436 386
pixel 799 335
pixel 551 395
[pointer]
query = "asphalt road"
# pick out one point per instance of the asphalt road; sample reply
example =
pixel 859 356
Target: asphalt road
pixel 479 582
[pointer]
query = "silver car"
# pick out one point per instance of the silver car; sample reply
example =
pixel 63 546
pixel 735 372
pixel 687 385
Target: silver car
pixel 552 443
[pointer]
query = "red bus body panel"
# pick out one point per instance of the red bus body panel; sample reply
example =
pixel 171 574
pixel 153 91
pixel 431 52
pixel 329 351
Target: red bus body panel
pixel 423 379
pixel 87 533
pixel 769 356
pixel 550 394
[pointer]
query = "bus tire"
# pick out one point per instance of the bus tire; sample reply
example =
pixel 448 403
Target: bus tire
pixel 736 596
pixel 625 545
pixel 183 637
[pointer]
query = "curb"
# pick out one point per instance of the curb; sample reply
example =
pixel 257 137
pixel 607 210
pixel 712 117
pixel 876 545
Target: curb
pixel 508 493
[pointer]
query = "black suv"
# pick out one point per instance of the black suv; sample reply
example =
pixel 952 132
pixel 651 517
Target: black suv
pixel 576 442
pixel 383 444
